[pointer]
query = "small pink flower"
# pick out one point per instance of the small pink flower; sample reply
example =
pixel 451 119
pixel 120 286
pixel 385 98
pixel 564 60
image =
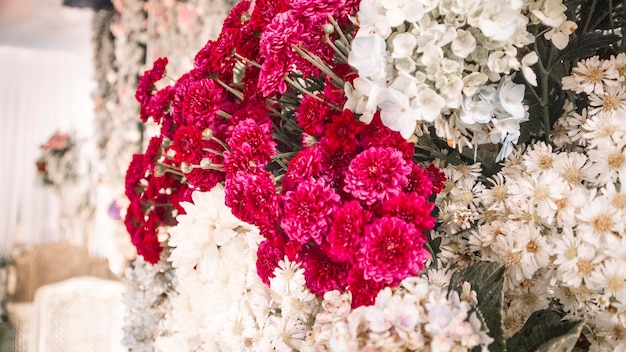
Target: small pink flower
pixel 377 174
pixel 308 211
pixel 391 250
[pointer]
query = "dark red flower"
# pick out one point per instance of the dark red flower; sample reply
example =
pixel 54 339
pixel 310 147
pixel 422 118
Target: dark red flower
pixel 342 132
pixel 145 86
pixel 312 115
pixel 375 134
pixel 268 257
pixel 437 177
pixel 323 274
pixel 363 291
pixel 187 144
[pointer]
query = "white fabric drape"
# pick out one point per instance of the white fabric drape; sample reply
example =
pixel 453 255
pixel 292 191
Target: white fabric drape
pixel 41 92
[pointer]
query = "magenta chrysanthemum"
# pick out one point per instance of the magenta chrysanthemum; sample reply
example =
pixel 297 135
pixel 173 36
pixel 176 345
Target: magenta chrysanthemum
pixel 391 250
pixel 377 174
pixel 321 273
pixel 346 232
pixel 307 211
pixel 252 197
pixel 305 165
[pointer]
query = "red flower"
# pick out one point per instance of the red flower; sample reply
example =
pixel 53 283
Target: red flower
pixel 201 101
pixel 321 273
pixel 187 144
pixel 437 177
pixel 363 291
pixel 391 250
pixel 346 232
pixel 268 257
pixel 375 134
pixel 342 132
pixel 145 86
pixel 419 182
pixel 257 136
pixel 312 115
pixel 307 211
pixel 377 174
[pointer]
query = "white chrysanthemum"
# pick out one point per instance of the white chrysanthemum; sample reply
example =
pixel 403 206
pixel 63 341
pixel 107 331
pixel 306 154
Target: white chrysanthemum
pixel 611 278
pixel 542 190
pixel 611 102
pixel 535 249
pixel 539 157
pixel 598 221
pixel 586 262
pixel 589 76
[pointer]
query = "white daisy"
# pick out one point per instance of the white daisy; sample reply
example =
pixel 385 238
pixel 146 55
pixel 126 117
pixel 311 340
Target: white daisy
pixel 612 278
pixel 598 220
pixel 539 157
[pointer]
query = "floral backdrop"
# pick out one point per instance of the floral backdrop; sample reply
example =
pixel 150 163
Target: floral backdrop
pixel 386 175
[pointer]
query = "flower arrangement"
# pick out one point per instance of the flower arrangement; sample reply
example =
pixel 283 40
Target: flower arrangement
pixel 58 160
pixel 341 175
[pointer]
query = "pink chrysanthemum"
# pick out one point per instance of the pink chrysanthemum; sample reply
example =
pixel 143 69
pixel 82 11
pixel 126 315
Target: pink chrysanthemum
pixel 252 197
pixel 258 136
pixel 391 250
pixel 268 257
pixel 377 174
pixel 342 132
pixel 321 273
pixel 307 211
pixel 411 208
pixel 304 166
pixel 346 232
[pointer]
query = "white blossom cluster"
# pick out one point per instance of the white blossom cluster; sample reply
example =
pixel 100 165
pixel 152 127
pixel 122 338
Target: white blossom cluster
pixel 555 216
pixel 416 316
pixel 147 297
pixel 434 62
pixel 222 305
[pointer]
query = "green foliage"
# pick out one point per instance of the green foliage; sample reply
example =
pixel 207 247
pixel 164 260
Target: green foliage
pixel 546 331
pixel 487 279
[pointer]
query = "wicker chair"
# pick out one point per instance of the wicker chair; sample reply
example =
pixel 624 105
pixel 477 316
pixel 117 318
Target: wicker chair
pixel 43 265
pixel 78 314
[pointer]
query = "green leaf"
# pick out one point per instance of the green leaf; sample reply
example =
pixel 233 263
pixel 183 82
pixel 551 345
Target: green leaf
pixel 586 45
pixel 545 331
pixel 487 279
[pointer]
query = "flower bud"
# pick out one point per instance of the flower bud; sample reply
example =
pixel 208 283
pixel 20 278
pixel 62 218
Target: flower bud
pixel 185 167
pixel 329 28
pixel 206 163
pixel 207 134
pixel 166 143
pixel 159 170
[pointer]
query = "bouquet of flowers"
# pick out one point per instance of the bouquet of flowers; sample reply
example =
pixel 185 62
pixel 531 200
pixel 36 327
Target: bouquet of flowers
pixel 58 161
pixel 375 175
